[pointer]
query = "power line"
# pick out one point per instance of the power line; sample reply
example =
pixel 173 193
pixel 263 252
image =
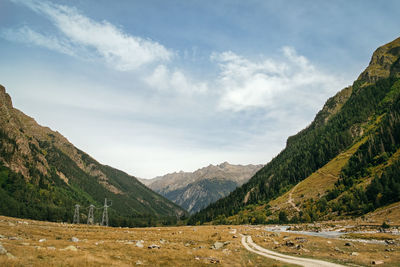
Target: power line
pixel 76 214
pixel 104 220
pixel 90 219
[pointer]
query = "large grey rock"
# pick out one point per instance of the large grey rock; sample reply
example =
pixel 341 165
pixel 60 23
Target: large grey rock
pixel 139 244
pixel 217 245
pixel 74 239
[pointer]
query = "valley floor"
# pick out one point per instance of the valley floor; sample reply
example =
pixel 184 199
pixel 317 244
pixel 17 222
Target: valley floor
pixel 35 243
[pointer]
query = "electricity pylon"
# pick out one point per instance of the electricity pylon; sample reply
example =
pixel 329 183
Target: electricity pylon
pixel 104 220
pixel 76 214
pixel 90 219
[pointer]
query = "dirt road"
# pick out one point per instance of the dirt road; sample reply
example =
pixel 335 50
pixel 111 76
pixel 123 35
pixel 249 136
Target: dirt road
pixel 251 246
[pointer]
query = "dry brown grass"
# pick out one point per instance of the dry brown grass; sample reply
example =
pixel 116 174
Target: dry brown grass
pixel 180 246
pixel 107 246
pixel 316 184
pixel 334 250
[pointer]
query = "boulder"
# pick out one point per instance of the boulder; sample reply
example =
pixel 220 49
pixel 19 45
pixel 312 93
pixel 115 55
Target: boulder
pixel 217 245
pixel 74 239
pixel 154 246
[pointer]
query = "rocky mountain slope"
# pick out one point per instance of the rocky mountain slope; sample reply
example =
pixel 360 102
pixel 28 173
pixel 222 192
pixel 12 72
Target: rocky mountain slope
pixel 346 163
pixel 196 190
pixel 43 175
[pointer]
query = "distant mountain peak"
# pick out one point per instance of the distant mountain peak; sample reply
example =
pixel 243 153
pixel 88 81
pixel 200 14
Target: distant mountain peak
pixel 195 190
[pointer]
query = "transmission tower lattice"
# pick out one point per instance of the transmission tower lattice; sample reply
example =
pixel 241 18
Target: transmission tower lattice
pixel 104 220
pixel 90 219
pixel 76 214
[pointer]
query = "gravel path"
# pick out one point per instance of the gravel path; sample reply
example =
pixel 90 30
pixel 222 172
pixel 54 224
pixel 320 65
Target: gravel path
pixel 251 246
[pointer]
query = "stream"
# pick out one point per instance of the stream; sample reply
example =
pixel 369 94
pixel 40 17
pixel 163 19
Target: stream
pixel 335 234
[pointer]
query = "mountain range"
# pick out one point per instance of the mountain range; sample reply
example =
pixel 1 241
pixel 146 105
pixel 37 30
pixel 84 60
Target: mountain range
pixel 345 163
pixel 196 190
pixel 43 176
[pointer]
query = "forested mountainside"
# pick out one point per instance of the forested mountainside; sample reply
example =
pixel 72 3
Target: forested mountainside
pixel 43 176
pixel 196 190
pixel 356 135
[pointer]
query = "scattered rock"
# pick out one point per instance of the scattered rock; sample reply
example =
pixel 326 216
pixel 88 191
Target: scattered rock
pixel 162 241
pixel 234 236
pixel 11 224
pixel 354 254
pixel 213 260
pixel 139 244
pixel 209 259
pixel 389 250
pixel 305 250
pixel 390 242
pixel 217 245
pixel 74 239
pixel 2 237
pixel 329 242
pixel 153 246
pixel 349 244
pixel 139 262
pixel 377 262
pixel 42 240
pixel 14 238
pixel 299 247
pixel 289 243
pixel 129 243
pixel 338 250
pixel 25 244
pixel 70 248
pixel 301 239
pixel 3 251
pixel 51 248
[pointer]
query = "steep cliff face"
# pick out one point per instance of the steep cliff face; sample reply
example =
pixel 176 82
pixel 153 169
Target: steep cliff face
pixel 47 161
pixel 195 190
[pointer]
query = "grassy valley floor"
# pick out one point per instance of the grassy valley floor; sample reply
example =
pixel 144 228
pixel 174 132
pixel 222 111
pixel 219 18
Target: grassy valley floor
pixel 35 243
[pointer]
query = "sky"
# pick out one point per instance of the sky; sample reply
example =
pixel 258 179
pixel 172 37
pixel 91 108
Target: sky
pixel 153 87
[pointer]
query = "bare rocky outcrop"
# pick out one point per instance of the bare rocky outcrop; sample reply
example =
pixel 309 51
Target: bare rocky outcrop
pixel 384 63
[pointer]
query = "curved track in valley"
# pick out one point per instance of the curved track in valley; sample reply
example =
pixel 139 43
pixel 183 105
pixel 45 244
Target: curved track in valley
pixel 248 243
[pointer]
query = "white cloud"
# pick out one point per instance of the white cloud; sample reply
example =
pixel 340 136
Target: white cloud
pixel 174 81
pixel 29 36
pixel 117 48
pixel 269 83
